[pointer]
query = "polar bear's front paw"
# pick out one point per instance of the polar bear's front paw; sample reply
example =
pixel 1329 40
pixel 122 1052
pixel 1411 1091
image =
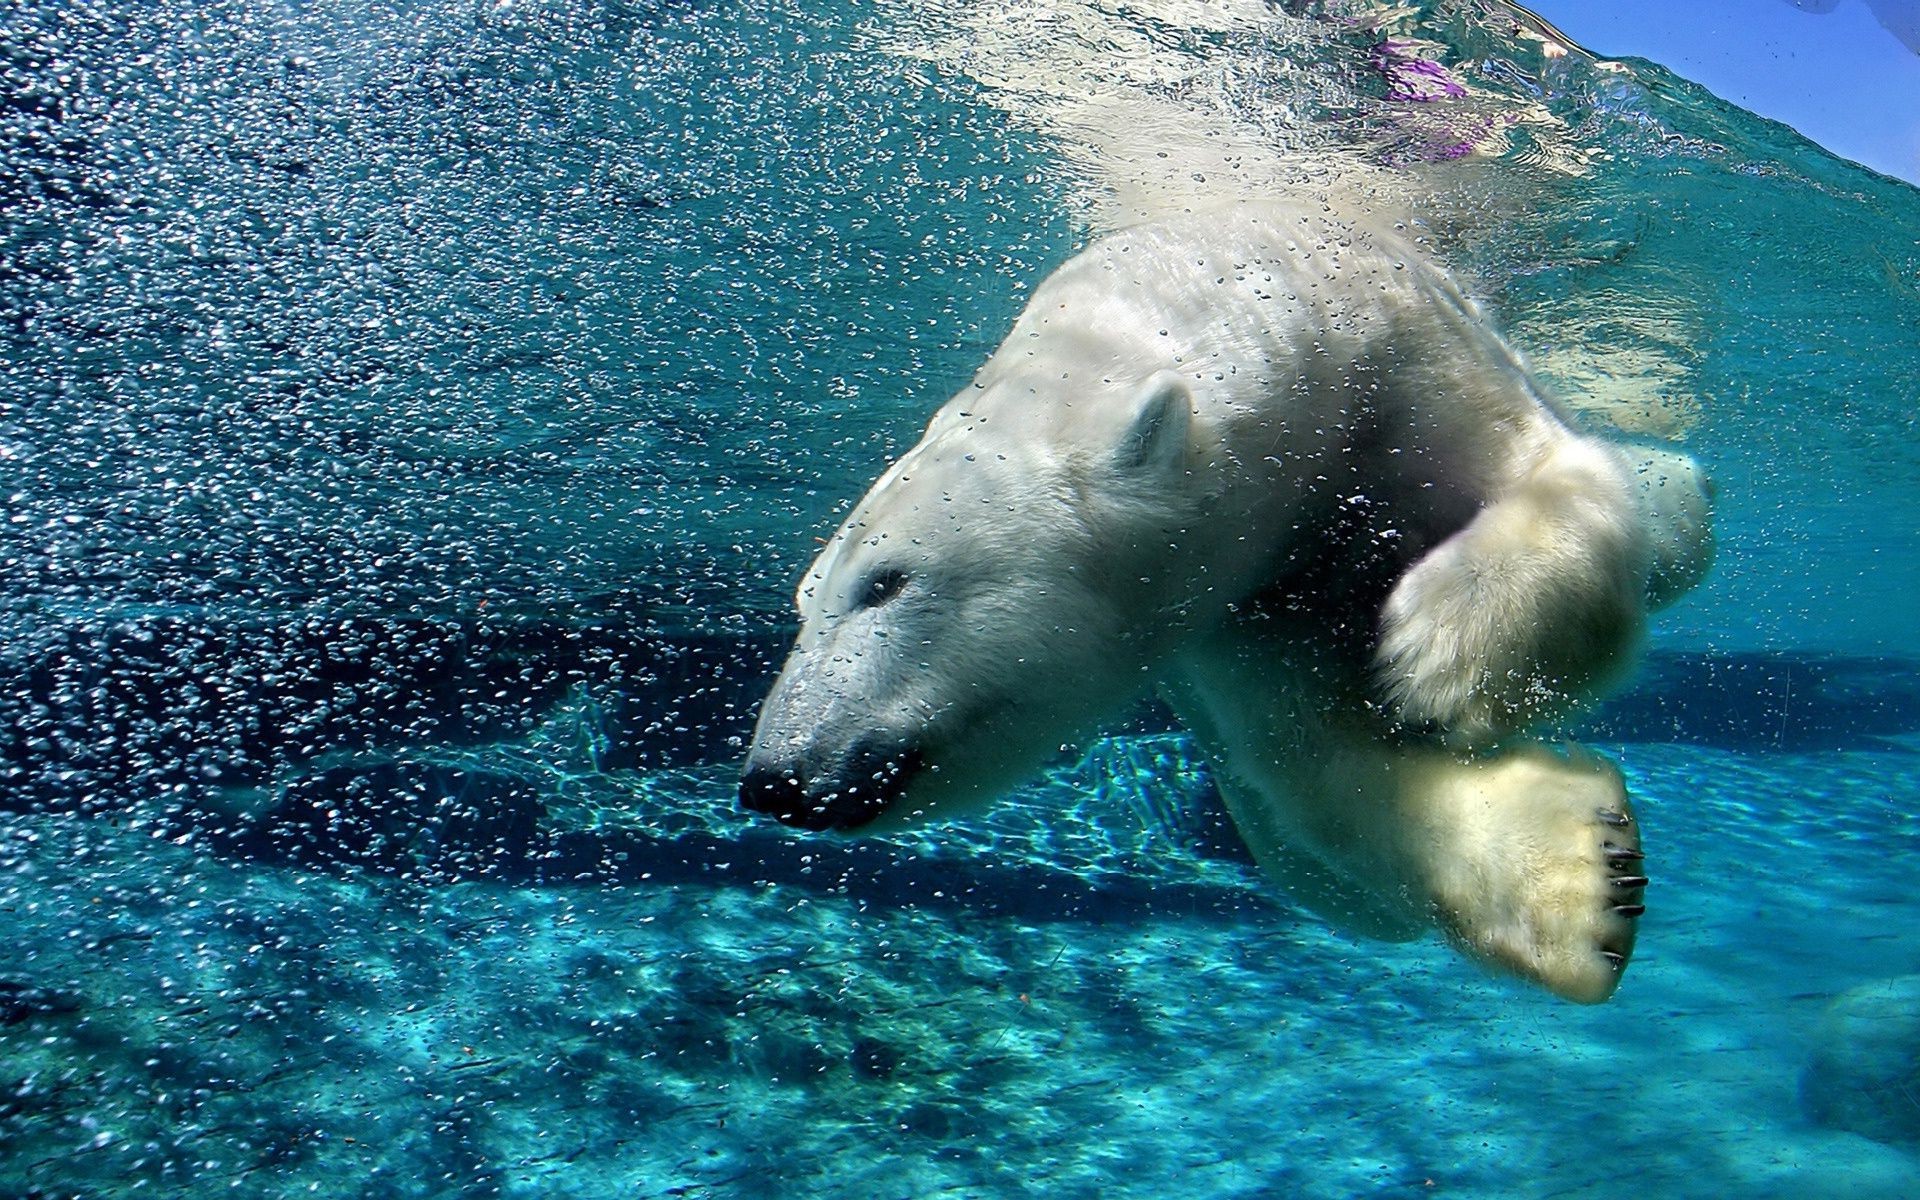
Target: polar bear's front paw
pixel 1536 605
pixel 1548 880
pixel 1465 648
pixel 1455 658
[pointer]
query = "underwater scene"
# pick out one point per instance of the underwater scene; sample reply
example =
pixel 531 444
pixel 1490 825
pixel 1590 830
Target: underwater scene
pixel 415 420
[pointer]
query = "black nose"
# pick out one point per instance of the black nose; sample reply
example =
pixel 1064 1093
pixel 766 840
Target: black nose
pixel 846 797
pixel 777 793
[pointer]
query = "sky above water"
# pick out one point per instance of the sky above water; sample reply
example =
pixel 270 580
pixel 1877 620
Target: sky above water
pixel 1846 73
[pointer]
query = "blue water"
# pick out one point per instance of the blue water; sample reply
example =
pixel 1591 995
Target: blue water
pixel 414 418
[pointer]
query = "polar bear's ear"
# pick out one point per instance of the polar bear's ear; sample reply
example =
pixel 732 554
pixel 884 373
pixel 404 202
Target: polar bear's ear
pixel 1156 436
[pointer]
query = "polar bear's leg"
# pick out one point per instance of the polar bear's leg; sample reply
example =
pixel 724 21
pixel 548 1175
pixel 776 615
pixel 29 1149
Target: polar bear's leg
pixel 1287 857
pixel 1526 858
pixel 1538 603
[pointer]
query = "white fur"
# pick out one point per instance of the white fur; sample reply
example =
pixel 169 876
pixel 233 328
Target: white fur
pixel 1197 445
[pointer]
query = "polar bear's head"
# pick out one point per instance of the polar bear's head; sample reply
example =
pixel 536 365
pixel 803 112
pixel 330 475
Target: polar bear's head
pixel 1001 588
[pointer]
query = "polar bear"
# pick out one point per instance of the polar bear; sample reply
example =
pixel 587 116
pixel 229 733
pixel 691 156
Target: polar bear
pixel 1279 468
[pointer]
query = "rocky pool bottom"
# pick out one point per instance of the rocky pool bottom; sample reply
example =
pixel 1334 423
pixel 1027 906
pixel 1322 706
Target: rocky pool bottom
pixel 1084 993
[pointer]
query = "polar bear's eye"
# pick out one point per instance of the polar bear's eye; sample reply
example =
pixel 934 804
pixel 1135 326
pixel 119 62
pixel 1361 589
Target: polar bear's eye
pixel 884 586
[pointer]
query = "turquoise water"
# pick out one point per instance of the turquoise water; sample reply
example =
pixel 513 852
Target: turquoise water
pixel 414 419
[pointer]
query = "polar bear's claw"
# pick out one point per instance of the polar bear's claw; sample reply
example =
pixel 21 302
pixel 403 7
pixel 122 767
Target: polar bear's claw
pixel 1543 879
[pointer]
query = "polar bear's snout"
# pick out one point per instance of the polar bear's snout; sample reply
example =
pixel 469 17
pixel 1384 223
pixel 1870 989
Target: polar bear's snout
pixel 820 757
pixel 845 792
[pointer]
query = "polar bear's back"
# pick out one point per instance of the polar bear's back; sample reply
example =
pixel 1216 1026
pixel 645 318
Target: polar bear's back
pixel 1275 312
